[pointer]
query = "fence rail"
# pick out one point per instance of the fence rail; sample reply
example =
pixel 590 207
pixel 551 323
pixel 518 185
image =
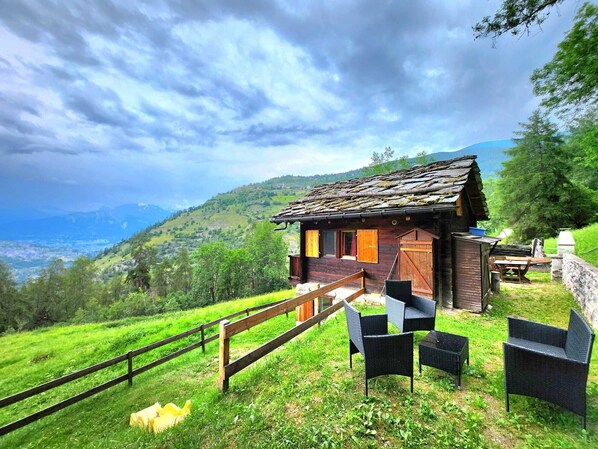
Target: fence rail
pixel 227 329
pixel 131 373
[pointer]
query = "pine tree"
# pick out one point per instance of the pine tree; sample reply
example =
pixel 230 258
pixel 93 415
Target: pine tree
pixel 182 277
pixel 80 286
pixel 537 196
pixel 161 278
pixel 145 257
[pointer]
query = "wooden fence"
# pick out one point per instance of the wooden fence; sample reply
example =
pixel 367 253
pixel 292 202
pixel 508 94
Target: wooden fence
pixel 227 329
pixel 128 377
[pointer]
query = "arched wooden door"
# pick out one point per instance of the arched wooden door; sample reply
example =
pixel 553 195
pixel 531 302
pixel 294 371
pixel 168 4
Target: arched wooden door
pixel 416 260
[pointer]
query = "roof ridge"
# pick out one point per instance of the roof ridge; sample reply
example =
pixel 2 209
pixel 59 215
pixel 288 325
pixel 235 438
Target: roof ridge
pixel 403 170
pixel 428 165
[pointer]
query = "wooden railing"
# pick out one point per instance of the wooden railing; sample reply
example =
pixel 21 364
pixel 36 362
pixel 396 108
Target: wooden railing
pixel 9 400
pixel 227 329
pixel 295 272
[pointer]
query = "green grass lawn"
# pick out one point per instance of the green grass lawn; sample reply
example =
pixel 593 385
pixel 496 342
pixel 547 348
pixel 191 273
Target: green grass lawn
pixel 301 396
pixel 586 244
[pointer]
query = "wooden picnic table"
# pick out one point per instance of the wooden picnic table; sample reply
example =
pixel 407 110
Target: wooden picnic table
pixel 533 260
pixel 512 270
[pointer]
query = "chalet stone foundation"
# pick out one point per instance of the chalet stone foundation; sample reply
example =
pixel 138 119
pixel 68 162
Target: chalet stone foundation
pixel 556 268
pixel 581 279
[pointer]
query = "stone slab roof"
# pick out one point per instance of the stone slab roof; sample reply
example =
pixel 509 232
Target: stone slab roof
pixel 423 188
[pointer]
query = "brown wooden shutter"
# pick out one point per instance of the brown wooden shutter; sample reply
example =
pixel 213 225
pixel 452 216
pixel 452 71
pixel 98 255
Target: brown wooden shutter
pixel 367 245
pixel 312 243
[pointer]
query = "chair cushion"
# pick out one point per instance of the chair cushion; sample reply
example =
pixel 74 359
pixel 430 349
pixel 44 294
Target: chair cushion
pixel 539 347
pixel 411 313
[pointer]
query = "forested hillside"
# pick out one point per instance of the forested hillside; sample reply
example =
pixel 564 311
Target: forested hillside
pixel 227 217
pixel 224 218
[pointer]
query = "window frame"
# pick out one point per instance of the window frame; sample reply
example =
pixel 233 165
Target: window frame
pixel 334 254
pixel 315 244
pixel 342 244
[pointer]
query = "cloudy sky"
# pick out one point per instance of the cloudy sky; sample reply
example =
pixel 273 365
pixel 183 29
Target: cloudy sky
pixel 171 102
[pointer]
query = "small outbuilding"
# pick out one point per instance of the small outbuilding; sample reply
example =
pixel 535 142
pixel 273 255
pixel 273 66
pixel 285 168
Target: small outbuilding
pixel 471 289
pixel 398 225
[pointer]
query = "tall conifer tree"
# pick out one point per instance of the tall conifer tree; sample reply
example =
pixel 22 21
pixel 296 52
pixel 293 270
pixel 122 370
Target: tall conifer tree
pixel 538 197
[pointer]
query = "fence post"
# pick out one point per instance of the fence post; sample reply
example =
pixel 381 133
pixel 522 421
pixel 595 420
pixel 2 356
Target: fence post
pixel 203 339
pixel 130 367
pixel 363 278
pixel 224 358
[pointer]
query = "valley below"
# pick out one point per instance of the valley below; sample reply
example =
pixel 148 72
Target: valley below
pixel 28 258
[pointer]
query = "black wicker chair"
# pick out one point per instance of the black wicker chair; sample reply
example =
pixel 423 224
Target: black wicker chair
pixel 549 363
pixel 383 353
pixel 407 311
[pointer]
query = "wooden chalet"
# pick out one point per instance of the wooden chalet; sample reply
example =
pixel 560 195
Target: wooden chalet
pixel 409 224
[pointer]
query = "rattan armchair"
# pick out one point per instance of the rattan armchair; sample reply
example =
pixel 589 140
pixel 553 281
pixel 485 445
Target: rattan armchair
pixel 549 363
pixel 382 353
pixel 407 311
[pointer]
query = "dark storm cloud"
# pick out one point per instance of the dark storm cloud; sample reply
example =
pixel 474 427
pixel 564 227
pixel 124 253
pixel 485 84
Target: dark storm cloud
pixel 245 102
pixel 267 136
pixel 210 82
pixel 373 48
pixel 60 74
pixel 65 25
pixel 18 105
pixel 98 105
pixel 16 144
pixel 17 133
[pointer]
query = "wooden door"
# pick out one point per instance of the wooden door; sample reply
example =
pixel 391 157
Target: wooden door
pixel 416 261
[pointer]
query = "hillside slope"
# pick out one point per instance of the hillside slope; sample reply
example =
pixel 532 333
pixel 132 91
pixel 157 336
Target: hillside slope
pixel 303 395
pixel 586 243
pixel 227 216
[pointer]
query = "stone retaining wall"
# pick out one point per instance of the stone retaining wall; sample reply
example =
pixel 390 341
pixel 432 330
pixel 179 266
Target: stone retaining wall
pixel 581 279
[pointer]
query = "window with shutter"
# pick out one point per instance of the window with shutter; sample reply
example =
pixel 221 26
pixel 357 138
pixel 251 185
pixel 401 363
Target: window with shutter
pixel 312 243
pixel 367 245
pixel 348 244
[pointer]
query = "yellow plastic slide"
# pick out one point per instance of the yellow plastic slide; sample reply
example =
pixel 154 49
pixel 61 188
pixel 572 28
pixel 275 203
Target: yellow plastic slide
pixel 157 418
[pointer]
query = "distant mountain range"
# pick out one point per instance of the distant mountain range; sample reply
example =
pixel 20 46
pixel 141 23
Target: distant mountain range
pixel 105 225
pixel 490 155
pixel 10 214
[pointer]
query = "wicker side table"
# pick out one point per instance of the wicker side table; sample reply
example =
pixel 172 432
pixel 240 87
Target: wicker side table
pixel 444 351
